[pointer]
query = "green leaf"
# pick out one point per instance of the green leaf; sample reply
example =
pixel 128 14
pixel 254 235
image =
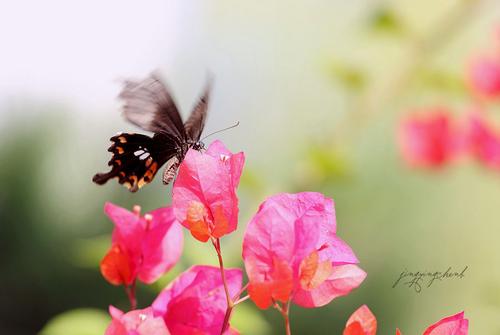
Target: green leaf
pixel 84 321
pixel 442 81
pixel 247 319
pixel 87 253
pixel 349 76
pixel 251 180
pixel 329 162
pixel 384 20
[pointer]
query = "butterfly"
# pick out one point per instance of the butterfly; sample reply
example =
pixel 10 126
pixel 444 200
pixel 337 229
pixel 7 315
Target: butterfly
pixel 137 157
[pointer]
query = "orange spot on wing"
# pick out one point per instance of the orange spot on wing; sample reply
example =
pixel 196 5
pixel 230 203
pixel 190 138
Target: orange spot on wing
pixel 150 173
pixel 141 182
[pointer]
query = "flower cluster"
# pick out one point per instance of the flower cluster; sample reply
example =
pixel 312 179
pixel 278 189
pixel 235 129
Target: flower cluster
pixel 433 137
pixel 291 254
pixel 363 322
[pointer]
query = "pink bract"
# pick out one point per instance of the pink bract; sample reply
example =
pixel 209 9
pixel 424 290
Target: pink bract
pixel 291 251
pixel 483 75
pixel 429 138
pixel 143 247
pixel 137 322
pixel 361 322
pixel 204 193
pixel 452 325
pixel 484 142
pixel 195 302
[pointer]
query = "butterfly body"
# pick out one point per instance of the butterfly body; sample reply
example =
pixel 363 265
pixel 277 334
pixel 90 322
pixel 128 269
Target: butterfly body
pixel 136 157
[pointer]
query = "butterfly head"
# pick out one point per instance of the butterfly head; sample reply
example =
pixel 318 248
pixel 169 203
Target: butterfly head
pixel 198 145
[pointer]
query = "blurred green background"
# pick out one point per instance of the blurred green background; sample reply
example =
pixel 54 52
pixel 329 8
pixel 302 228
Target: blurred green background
pixel 318 88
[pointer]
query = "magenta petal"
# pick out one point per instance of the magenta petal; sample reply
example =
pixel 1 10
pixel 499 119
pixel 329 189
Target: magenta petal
pixel 430 138
pixel 195 301
pixel 338 252
pixel 217 148
pixel 136 322
pixel 452 325
pixel 484 76
pixel 129 227
pixel 484 142
pixel 115 312
pixel 343 279
pixel 162 245
pixel 209 179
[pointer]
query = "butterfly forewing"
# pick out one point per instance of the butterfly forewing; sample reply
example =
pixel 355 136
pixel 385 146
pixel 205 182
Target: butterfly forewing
pixel 148 105
pixel 196 121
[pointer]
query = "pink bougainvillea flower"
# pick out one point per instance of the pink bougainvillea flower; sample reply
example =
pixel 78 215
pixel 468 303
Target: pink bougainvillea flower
pixel 143 247
pixel 483 75
pixel 291 251
pixel 137 322
pixel 361 322
pixel 452 325
pixel 204 193
pixel 195 302
pixel 484 142
pixel 429 139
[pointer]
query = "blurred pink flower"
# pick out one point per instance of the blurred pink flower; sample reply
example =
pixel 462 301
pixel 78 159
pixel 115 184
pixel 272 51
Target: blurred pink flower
pixel 291 251
pixel 204 193
pixel 137 322
pixel 361 322
pixel 195 302
pixel 483 75
pixel 143 247
pixel 429 139
pixel 484 142
pixel 452 325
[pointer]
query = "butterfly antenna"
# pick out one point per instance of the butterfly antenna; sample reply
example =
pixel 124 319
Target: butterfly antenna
pixel 221 130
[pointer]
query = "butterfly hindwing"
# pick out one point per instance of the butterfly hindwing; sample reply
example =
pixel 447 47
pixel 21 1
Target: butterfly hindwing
pixel 136 159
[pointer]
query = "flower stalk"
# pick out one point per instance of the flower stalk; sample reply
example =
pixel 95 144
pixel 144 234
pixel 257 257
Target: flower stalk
pixel 230 304
pixel 130 290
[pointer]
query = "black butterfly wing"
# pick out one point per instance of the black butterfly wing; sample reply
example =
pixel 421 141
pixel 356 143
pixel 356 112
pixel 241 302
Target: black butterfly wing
pixel 136 159
pixel 148 105
pixel 196 121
